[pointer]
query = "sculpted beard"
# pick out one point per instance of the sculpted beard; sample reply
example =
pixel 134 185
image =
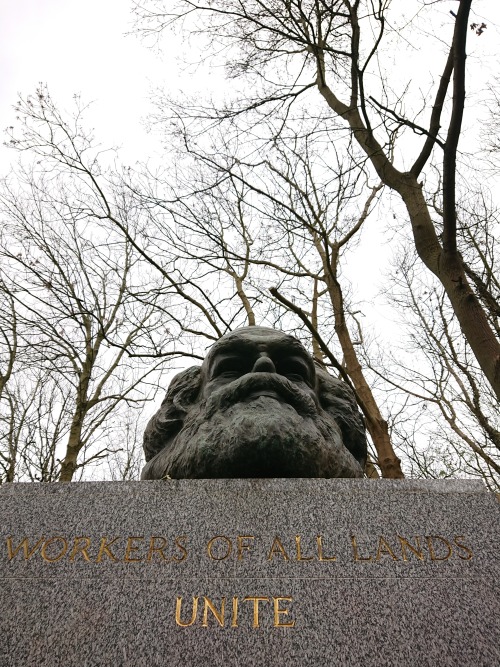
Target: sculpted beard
pixel 238 432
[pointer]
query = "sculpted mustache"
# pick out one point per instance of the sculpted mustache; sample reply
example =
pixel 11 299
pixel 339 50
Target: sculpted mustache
pixel 243 387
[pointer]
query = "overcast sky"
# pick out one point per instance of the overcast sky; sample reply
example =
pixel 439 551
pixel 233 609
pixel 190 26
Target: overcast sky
pixel 83 47
pixel 79 47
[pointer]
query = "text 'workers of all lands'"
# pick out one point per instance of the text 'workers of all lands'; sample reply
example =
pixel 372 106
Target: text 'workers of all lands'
pixel 178 549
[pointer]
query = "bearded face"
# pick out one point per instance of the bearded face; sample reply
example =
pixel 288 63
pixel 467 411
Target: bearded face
pixel 257 413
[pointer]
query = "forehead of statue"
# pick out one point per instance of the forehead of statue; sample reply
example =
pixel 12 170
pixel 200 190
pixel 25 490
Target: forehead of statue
pixel 255 340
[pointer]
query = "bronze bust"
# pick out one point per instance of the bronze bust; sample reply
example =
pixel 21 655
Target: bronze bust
pixel 258 406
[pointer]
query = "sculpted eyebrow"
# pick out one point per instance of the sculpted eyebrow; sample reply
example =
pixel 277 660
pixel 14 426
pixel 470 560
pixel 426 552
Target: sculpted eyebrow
pixel 291 350
pixel 233 347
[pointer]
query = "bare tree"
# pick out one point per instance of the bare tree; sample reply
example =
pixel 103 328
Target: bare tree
pixel 279 223
pixel 34 418
pixel 283 50
pixel 90 317
pixel 105 286
pixel 79 317
pixel 452 422
pixel 105 268
pixel 8 335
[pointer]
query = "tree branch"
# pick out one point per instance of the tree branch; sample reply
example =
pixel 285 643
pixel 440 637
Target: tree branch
pixel 454 129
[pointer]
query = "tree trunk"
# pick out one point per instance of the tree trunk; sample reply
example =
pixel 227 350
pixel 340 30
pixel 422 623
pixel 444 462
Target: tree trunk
pixel 390 465
pixel 69 463
pixel 316 347
pixel 449 269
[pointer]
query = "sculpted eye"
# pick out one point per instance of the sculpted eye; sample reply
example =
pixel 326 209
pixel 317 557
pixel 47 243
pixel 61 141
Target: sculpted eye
pixel 231 367
pixel 294 369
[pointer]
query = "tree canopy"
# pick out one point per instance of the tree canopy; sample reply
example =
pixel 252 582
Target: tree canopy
pixel 267 193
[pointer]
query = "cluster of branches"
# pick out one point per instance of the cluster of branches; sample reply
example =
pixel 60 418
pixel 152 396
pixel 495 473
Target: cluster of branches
pixel 84 320
pixel 284 49
pixel 286 61
pixel 254 221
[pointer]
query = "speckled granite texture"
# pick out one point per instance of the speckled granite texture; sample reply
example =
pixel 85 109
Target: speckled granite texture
pixel 350 572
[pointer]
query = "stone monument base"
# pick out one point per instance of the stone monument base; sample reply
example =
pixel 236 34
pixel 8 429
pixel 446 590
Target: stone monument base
pixel 249 572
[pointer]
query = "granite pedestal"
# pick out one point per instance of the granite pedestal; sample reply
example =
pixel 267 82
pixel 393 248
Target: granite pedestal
pixel 249 572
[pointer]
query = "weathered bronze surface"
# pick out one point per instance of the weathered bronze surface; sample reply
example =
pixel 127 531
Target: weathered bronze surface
pixel 257 407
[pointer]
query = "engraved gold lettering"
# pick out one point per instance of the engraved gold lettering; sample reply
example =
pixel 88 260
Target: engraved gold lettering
pixel 432 552
pixel 228 547
pixel 79 548
pixel 467 550
pixel 219 616
pixel 277 547
pixel 355 551
pixel 299 551
pixel 24 545
pixel 384 548
pixel 129 548
pixel 321 556
pixel 182 548
pixel 153 548
pixel 178 606
pixel 234 616
pixel 415 550
pixel 255 599
pixel 48 543
pixel 104 549
pixel 281 612
pixel 242 546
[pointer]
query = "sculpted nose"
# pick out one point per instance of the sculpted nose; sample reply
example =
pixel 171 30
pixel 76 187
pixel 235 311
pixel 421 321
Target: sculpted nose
pixel 264 365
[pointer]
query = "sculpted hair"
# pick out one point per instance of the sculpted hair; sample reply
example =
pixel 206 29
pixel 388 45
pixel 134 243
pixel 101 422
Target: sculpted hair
pixel 164 426
pixel 337 399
